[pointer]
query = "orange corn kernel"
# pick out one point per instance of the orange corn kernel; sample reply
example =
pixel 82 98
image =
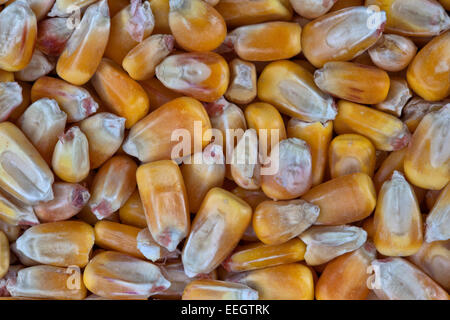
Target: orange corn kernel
pixel 121 94
pixel 39 66
pixel 202 172
pixel 105 133
pixel 47 282
pixel 201 75
pixel 434 259
pixel 16 213
pixel 318 137
pixel 353 82
pixel 64 8
pixel 196 25
pixel 132 212
pixel 413 17
pixel 328 242
pixel 39 7
pixel 165 202
pixel 141 61
pixel 398 221
pixel 242 88
pixel 345 278
pixel 69 199
pixel 259 255
pixel 369 227
pixel 417 108
pixel 218 290
pixel 261 42
pixel 52 36
pixel 276 222
pixel 43 122
pixel 429 73
pixel 4 254
pixel 75 101
pixel 70 160
pixel 150 139
pixel 216 230
pixel 445 4
pixel 108 275
pixel 311 9
pixel 438 221
pixel 151 250
pixel 10 98
pixel 161 9
pixel 327 38
pixel 18 28
pixel 23 174
pixel 344 199
pixel 394 162
pixel 244 12
pixel 293 175
pixel 157 93
pixel 117 5
pixel 392 52
pixel 85 47
pixel 291 89
pixel 6 76
pixel 386 132
pixel 129 27
pixel 398 96
pixel 342 4
pixel 12 232
pixel 398 279
pixel 60 244
pixel 351 153
pixel 426 160
pixel 292 281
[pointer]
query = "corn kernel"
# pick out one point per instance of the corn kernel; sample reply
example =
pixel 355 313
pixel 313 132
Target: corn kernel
pixel 6 76
pixel 12 232
pixel 38 66
pixel 64 8
pixel 52 36
pixel 392 52
pixel 431 197
pixel 242 87
pixel 15 213
pixel 438 221
pixel 394 162
pixel 4 254
pixel 10 98
pixel 85 47
pixel 218 290
pixel 398 96
pixel 157 93
pixel 342 4
pixel 160 9
pixel 312 9
pixel 417 108
pixel 151 250
pixel 276 222
pixel 291 89
pixel 132 212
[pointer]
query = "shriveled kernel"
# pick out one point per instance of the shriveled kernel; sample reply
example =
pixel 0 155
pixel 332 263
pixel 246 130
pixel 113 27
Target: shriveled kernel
pixel 38 66
pixel 52 36
pixel 10 98
pixel 218 290
pixel 242 87
pixel 417 108
pixel 397 97
pixel 15 213
pixel 4 254
pixel 132 212
pixel 312 9
pixel 438 220
pixel 70 159
pixel 392 52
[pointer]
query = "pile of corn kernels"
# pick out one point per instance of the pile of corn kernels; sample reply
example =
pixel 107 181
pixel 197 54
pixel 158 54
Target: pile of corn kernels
pixel 225 149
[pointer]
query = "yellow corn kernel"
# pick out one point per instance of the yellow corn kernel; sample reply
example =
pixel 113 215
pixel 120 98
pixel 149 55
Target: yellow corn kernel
pixel 23 174
pixel 132 212
pixel 52 36
pixel 196 25
pixel 4 254
pixel 292 281
pixel 291 89
pixel 216 230
pixel 398 96
pixel 160 9
pixel 12 232
pixel 117 5
pixel 276 222
pixel 84 50
pixel 70 160
pixel 318 137
pixel 202 172
pixel 105 133
pixel 311 9
pixel 398 221
pixel 242 87
pixel 392 52
pixel 10 98
pixel 201 75
pixel 121 94
pixel 244 12
pixel 43 122
pixel 345 278
pixel 64 8
pixel 429 73
pixel 75 101
pixel 413 17
pixel 48 282
pixel 394 162
pixel 343 200
pixel 438 222
pixel 327 38
pixel 69 199
pixel 256 42
pixel 386 132
pixel 165 202
pixel 61 244
pixel 141 61
pixel 259 255
pixel 150 139
pixel 398 279
pixel 39 7
pixel 129 27
pixel 39 66
pixel 108 275
pixel 351 153
pixel 353 82
pixel 16 213
pixel 157 93
pixel 18 28
pixel 218 290
pixel 434 259
pixel 290 171
pixel 417 108
pixel 6 76
pixel 426 161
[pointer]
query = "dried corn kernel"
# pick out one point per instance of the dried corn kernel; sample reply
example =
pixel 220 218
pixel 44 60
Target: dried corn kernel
pixel 116 5
pixel 242 87
pixel 38 66
pixel 342 4
pixel 4 254
pixel 394 162
pixel 438 221
pixel 152 250
pixel 26 101
pixel 392 52
pixel 398 96
pixel 12 232
pixel 417 108
pixel 312 9
pixel 15 213
pixel 10 98
pixel 157 93
pixel 218 290
pixel 161 9
pixel 6 76
pixel 132 212
pixel 64 8
pixel 52 36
